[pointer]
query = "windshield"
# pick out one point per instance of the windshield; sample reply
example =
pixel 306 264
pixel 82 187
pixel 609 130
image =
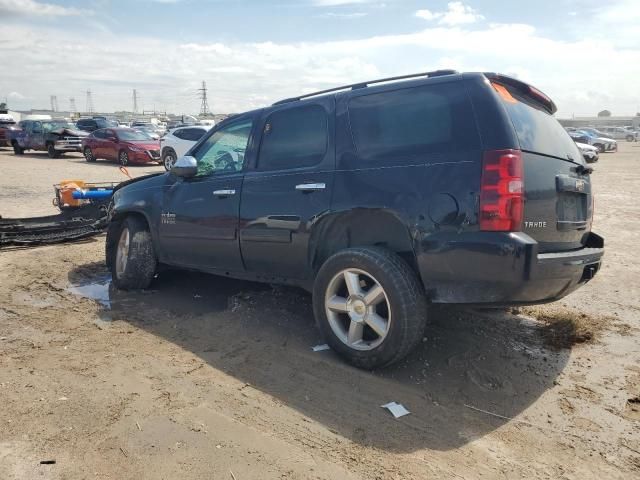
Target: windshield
pixel 133 135
pixel 56 125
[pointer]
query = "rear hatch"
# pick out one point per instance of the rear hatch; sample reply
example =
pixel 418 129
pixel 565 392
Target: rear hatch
pixel 558 204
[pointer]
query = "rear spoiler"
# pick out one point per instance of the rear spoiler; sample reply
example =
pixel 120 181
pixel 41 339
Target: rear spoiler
pixel 525 90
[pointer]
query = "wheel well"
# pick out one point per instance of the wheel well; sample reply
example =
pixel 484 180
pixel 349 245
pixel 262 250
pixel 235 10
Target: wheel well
pixel 360 228
pixel 167 149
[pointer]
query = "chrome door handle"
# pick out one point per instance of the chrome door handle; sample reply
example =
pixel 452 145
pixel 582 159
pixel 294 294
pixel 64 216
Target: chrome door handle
pixel 310 187
pixel 222 193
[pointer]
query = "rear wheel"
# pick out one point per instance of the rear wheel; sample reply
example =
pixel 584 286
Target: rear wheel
pixel 630 138
pixel 52 152
pixel 88 155
pixel 370 306
pixel 169 158
pixel 17 150
pixel 130 254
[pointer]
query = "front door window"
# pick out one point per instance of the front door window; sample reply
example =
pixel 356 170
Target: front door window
pixel 224 151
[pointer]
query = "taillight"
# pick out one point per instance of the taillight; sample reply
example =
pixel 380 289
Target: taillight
pixel 502 191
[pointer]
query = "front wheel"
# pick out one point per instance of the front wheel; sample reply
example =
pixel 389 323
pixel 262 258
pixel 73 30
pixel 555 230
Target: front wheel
pixel 123 158
pixel 130 254
pixel 370 306
pixel 630 138
pixel 600 147
pixel 88 155
pixel 52 152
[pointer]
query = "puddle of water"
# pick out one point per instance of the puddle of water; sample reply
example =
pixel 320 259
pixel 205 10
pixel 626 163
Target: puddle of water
pixel 97 290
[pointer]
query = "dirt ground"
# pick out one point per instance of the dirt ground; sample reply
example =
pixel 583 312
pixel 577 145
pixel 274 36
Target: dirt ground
pixel 202 377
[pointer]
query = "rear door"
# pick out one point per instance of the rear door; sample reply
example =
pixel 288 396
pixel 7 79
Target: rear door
pixel 558 198
pixel 288 187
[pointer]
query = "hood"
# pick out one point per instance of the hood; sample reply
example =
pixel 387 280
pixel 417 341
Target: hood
pixel 146 144
pixel 70 132
pixel 138 179
pixel 605 139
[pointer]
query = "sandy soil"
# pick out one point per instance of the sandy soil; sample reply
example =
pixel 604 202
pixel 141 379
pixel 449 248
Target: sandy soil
pixel 203 377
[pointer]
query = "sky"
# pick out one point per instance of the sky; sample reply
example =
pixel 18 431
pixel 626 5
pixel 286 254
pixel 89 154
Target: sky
pixel 585 54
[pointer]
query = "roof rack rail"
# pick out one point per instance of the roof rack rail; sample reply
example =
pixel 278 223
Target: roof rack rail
pixel 356 86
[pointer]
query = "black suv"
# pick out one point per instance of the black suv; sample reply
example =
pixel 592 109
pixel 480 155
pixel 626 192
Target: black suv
pixel 380 198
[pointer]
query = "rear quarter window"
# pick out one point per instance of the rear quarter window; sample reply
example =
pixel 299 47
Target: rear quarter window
pixel 413 121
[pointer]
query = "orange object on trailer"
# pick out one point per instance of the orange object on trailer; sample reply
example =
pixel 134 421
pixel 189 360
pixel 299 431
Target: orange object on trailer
pixel 67 187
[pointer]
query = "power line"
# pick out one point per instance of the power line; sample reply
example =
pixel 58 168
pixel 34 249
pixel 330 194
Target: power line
pixel 204 106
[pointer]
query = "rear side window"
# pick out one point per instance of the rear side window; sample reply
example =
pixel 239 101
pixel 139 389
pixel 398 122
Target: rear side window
pixel 537 130
pixel 296 137
pixel 413 121
pixel 193 134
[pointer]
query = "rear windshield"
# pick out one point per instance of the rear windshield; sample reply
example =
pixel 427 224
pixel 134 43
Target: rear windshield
pixel 537 130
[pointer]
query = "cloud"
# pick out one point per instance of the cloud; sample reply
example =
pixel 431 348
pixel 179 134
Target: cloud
pixel 16 96
pixel 335 3
pixel 457 14
pixel 245 75
pixel 33 8
pixel 343 15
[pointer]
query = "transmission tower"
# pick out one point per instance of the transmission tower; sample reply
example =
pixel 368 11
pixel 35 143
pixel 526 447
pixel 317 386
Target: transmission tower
pixel 72 105
pixel 54 103
pixel 135 101
pixel 204 106
pixel 89 105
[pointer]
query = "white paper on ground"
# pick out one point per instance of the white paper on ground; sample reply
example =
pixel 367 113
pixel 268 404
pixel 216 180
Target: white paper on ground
pixel 396 409
pixel 319 348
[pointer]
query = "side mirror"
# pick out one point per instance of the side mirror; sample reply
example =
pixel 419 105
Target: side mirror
pixel 185 167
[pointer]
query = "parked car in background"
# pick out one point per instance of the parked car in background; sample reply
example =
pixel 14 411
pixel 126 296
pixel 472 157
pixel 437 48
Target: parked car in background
pixel 7 128
pixel 178 141
pixel 620 133
pixel 53 136
pixel 589 152
pixel 148 128
pixel 602 144
pixel 93 124
pixel 381 198
pixel 123 145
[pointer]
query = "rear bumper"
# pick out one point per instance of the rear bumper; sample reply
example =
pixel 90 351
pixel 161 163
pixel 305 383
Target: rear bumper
pixel 503 268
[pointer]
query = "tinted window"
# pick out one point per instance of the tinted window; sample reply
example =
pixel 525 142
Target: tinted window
pixel 193 134
pixel 537 130
pixel 179 133
pixel 100 134
pixel 427 119
pixel 296 137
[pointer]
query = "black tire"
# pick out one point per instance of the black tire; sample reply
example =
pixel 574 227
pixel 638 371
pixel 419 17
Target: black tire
pixel 52 152
pixel 169 158
pixel 404 293
pixel 88 155
pixel 630 138
pixel 140 265
pixel 123 158
pixel 16 149
pixel 600 147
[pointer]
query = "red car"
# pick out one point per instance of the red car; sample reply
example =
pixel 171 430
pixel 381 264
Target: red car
pixel 124 145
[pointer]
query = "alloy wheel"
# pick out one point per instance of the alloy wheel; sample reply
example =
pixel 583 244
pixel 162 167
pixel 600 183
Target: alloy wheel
pixel 358 309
